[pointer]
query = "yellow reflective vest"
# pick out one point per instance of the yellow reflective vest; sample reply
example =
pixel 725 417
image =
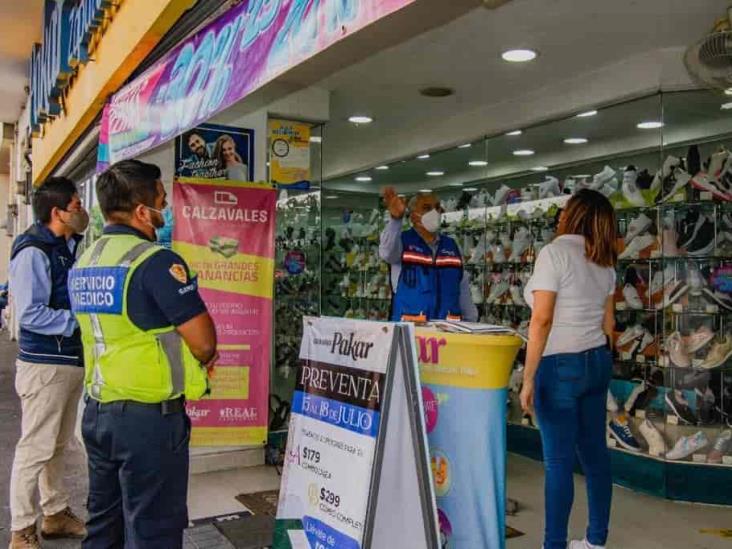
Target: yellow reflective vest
pixel 122 361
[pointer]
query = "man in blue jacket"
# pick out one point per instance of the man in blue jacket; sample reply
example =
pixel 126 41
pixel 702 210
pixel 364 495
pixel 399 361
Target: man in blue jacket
pixel 427 273
pixel 49 373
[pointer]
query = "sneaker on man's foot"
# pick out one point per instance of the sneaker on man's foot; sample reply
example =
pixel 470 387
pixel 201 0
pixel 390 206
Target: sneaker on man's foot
pixel 619 429
pixel 25 539
pixel 63 525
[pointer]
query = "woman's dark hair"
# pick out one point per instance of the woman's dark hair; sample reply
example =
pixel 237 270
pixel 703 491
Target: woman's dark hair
pixel 590 214
pixel 125 185
pixel 56 192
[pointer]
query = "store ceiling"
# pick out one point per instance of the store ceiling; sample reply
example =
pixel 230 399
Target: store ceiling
pixel 465 55
pixel 21 27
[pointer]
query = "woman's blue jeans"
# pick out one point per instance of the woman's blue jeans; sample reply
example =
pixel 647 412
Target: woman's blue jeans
pixel 570 401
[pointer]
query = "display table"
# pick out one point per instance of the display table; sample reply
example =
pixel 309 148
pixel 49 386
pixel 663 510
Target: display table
pixel 464 388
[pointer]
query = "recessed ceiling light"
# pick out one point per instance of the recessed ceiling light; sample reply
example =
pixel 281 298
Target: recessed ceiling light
pixel 435 173
pixel 316 139
pixel 519 55
pixel 470 189
pixel 581 175
pixel 477 163
pixel 514 133
pixel 650 125
pixel 363 179
pixel 382 168
pixel 455 185
pixel 539 169
pixel 360 119
pixel 586 114
pixel 423 157
pixel 425 190
pixel 575 141
pixel 726 106
pixel 331 197
pixel 728 91
pixel 523 152
pixel 466 146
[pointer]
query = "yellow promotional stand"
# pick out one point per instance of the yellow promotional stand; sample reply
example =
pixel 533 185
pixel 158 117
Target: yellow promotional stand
pixel 465 389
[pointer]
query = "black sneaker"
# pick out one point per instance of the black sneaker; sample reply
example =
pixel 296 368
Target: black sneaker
pixel 709 413
pixel 687 226
pixel 720 298
pixel 644 180
pixel 695 380
pixel 679 406
pixel 702 239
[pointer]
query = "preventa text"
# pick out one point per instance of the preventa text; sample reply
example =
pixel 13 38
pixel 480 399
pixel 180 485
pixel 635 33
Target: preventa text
pixel 345 384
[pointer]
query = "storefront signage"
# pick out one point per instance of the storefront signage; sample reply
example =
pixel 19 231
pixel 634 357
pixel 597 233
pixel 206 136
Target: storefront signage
pixel 210 151
pixel 225 232
pixel 244 49
pixel 71 31
pixel 289 154
pixel 353 433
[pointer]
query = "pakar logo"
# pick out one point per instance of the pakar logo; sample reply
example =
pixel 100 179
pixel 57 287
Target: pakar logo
pixel 346 346
pixel 195 412
pixel 429 349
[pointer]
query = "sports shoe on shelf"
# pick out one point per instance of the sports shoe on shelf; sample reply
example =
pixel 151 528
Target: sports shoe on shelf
pixel 549 188
pixel 719 353
pixel 630 334
pixel 696 281
pixel 610 188
pixel 619 429
pixel 659 280
pixel 632 299
pixel 612 404
pixel 722 445
pixel 678 404
pixel 687 446
pixel 599 179
pixel 674 179
pixel 637 245
pixel 698 338
pixel 517 295
pixel 702 242
pixel 521 243
pixel 476 293
pixel 706 405
pixel 498 253
pixel 673 291
pixel 634 394
pixel 666 170
pixel 498 290
pixel 631 192
pixel 501 195
pixel 643 399
pixel 720 298
pixel 477 256
pixel 654 438
pixel 638 226
pixel 677 351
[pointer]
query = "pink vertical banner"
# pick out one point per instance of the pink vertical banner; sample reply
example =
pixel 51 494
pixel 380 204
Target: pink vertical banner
pixel 225 232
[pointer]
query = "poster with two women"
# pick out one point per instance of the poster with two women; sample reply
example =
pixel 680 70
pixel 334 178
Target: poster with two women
pixel 210 151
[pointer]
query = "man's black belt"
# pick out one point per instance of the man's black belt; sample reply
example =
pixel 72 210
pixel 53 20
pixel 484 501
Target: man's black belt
pixel 166 408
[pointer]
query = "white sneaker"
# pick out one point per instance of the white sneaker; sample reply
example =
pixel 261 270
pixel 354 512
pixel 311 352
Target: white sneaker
pixel 517 295
pixel 498 253
pixel 630 334
pixel 696 281
pixel 631 192
pixel 639 225
pixel 698 338
pixel 501 195
pixel 583 544
pixel 549 188
pixel 633 250
pixel 521 243
pixel 677 351
pixel 600 179
pixel 654 438
pixel 612 404
pixel 498 289
pixel 686 446
pixel 632 299
pixel 476 293
pixel 478 254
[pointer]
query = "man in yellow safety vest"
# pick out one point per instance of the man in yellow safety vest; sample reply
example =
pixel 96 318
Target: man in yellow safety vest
pixel 148 343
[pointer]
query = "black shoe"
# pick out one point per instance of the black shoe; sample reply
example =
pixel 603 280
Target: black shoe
pixel 644 399
pixel 693 160
pixel 678 405
pixel 695 380
pixel 720 298
pixel 702 238
pixel 709 413
pixel 644 180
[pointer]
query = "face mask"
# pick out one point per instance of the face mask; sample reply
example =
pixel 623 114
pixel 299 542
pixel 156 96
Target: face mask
pixel 78 221
pixel 431 221
pixel 157 224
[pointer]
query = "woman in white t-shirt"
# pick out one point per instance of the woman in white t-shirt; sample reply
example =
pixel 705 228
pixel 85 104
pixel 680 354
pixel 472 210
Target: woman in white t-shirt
pixel 569 365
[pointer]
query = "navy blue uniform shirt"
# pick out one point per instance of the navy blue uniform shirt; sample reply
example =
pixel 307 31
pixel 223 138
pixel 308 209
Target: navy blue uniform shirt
pixel 157 296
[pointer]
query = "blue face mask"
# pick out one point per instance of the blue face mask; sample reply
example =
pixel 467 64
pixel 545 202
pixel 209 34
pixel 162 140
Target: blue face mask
pixel 164 233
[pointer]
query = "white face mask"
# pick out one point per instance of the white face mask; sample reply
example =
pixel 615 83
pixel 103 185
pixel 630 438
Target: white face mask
pixel 431 221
